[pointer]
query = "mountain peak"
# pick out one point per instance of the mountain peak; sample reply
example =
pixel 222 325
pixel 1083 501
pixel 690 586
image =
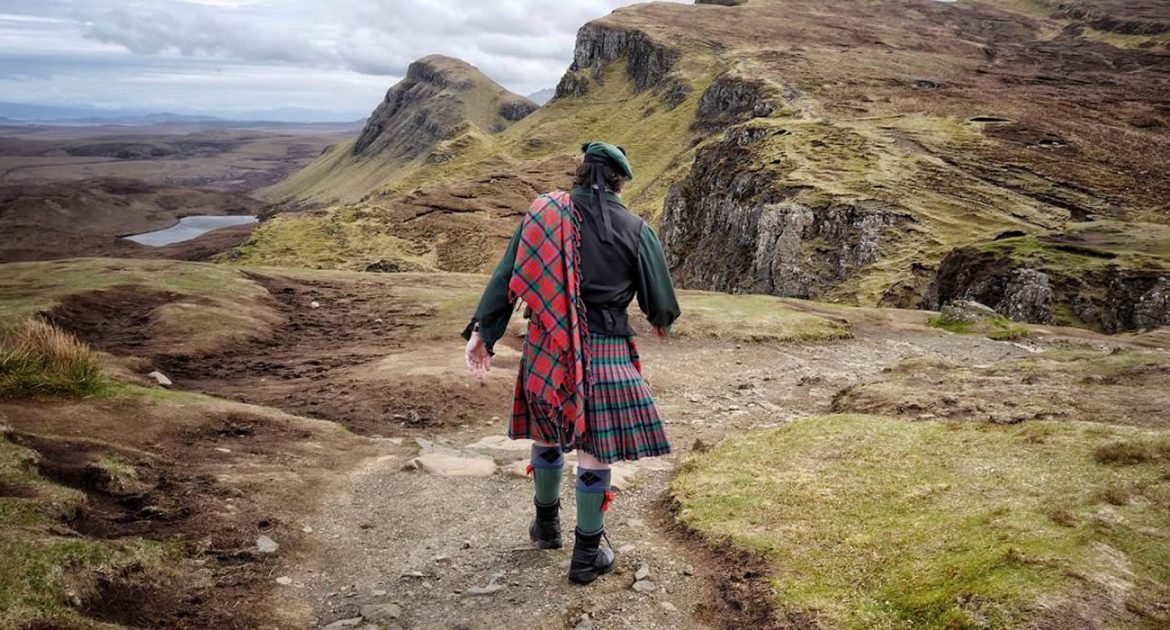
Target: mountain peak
pixel 446 72
pixel 442 102
pixel 439 96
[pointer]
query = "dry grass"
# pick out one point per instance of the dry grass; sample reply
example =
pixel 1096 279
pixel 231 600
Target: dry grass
pixel 39 359
pixel 875 522
pixel 1134 452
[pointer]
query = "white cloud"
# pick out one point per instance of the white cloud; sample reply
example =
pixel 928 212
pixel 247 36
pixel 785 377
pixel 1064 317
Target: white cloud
pixel 524 44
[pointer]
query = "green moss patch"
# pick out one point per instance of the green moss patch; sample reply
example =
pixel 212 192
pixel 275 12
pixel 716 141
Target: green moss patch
pixel 874 522
pixel 751 318
pixel 998 328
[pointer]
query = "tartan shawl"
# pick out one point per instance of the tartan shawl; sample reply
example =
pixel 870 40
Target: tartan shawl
pixel 547 276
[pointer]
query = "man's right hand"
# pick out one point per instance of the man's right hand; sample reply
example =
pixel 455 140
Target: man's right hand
pixel 479 360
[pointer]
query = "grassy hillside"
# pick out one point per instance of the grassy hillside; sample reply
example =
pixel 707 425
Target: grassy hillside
pixel 874 522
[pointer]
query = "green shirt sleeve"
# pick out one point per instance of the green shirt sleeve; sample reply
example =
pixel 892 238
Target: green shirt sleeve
pixel 655 290
pixel 495 309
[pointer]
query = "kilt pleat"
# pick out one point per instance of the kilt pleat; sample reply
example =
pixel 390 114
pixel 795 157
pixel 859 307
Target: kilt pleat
pixel 622 422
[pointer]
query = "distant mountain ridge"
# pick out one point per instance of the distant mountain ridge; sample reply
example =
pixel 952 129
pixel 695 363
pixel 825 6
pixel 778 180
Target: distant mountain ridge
pixel 542 97
pixel 32 113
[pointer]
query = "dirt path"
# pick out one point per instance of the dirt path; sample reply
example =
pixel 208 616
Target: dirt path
pixel 423 541
pixel 431 551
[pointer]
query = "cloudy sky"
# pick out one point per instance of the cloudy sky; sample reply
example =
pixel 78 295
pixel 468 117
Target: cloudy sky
pixel 224 56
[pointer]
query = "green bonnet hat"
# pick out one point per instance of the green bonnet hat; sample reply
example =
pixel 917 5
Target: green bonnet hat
pixel 609 154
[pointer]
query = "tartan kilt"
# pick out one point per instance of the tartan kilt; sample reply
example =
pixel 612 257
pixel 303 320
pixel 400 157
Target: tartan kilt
pixel 622 422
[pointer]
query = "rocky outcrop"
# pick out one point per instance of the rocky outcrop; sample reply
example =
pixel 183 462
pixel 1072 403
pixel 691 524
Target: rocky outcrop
pixel 1109 298
pixel 729 227
pixel 432 103
pixel 732 99
pixel 967 311
pixel 517 109
pixel 1153 307
pixel 1028 296
pixel 648 62
pixel 1100 15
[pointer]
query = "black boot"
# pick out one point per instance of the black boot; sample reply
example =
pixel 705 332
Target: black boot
pixel 590 559
pixel 545 529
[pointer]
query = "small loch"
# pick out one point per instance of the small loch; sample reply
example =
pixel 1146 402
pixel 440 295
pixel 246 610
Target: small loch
pixel 188 228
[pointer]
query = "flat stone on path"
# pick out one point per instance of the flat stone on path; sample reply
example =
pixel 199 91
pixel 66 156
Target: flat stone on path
pixel 502 443
pixel 445 465
pixel 493 587
pixel 381 612
pixel 645 586
pixel 622 476
pixel 265 544
pixel 344 623
pixel 480 591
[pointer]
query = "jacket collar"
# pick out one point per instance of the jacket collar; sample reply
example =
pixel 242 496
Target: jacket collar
pixel 584 191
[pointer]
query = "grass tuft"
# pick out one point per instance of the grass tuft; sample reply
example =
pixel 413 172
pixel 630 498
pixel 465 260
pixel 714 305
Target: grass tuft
pixel 1133 452
pixel 39 359
pixel 951 325
pixel 120 477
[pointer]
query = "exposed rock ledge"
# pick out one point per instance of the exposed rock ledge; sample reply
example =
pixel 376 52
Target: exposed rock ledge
pixel 727 227
pixel 598 45
pixel 1109 298
pixel 732 99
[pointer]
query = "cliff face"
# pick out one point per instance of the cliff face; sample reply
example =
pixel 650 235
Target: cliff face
pixel 1110 276
pixel 648 62
pixel 731 226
